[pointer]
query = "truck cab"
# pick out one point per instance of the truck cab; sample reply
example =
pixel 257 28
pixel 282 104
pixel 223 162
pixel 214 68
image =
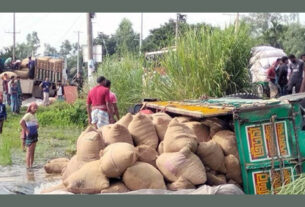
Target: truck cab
pixel 269 134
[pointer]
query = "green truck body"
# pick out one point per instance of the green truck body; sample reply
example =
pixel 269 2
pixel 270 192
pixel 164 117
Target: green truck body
pixel 269 134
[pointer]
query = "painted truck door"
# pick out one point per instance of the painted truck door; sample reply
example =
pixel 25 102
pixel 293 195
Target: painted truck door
pixel 267 148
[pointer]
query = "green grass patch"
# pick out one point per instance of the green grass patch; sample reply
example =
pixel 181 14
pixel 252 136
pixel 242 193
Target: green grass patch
pixel 60 126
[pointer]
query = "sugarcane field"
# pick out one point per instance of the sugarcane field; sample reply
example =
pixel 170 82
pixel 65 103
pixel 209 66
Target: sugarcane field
pixel 184 105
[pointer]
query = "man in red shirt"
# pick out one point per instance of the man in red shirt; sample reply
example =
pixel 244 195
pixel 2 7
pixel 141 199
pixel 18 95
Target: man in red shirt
pixel 98 104
pixel 271 75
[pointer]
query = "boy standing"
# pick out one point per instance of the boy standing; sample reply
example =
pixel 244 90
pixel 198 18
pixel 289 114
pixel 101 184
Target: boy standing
pixel 2 114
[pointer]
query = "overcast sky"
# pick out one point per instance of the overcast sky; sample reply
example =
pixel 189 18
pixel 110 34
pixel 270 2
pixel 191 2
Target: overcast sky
pixel 54 28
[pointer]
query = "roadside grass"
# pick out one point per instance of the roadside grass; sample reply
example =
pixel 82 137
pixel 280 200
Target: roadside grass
pixel 57 138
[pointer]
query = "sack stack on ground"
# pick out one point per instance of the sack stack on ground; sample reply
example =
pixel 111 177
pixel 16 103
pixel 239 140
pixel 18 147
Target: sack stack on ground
pixel 140 153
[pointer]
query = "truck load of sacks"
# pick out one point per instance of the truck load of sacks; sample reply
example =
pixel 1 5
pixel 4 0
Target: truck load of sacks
pixel 262 59
pixel 152 151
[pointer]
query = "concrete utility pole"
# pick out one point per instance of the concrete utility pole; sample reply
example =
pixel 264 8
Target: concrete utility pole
pixel 141 33
pixel 90 50
pixel 14 37
pixel 78 32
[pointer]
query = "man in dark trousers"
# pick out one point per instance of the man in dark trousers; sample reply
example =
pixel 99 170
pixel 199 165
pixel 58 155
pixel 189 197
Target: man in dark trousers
pixel 282 76
pixel 296 68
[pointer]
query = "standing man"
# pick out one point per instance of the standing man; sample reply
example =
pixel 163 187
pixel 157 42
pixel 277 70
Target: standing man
pixel 303 82
pixel 45 85
pixel 19 94
pixel 271 75
pixel 10 90
pixel 5 89
pixel 296 74
pixel 113 100
pixel 98 105
pixel 31 66
pixel 282 76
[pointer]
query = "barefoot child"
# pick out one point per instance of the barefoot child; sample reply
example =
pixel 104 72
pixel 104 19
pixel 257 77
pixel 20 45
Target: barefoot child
pixel 2 113
pixel 30 125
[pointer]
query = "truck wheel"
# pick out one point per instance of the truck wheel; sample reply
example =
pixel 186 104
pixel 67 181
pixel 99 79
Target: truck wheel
pixel 244 96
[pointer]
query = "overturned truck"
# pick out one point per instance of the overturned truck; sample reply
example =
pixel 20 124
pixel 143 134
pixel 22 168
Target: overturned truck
pixel 270 135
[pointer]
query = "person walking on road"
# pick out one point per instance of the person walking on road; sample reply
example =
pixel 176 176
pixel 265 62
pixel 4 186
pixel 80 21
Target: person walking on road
pixel 45 85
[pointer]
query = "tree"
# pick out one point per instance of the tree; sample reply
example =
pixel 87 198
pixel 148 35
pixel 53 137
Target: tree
pixel 294 38
pixel 65 48
pixel 108 43
pixel 164 36
pixel 269 28
pixel 49 50
pixel 33 43
pixel 126 38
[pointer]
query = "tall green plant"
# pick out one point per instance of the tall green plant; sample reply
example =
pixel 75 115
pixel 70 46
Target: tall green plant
pixel 211 62
pixel 125 74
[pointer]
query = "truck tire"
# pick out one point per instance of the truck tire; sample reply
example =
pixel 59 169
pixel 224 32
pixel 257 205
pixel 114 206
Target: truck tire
pixel 244 96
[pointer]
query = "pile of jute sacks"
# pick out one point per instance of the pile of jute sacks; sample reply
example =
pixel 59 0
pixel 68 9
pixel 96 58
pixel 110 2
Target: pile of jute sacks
pixel 152 151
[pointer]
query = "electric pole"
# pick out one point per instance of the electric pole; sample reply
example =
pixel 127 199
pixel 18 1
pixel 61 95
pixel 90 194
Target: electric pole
pixel 141 33
pixel 90 49
pixel 78 32
pixel 14 37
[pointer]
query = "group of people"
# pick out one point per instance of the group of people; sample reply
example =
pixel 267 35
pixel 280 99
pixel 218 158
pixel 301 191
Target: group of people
pixel 285 75
pixel 12 92
pixel 102 104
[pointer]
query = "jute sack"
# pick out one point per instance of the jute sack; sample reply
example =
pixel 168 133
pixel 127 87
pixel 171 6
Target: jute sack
pixel 161 115
pixel 72 166
pixel 212 155
pixel 147 154
pixel 161 125
pixel 117 187
pixel 56 165
pixel 143 176
pixel 201 131
pixel 23 73
pixel 24 62
pixel 216 179
pixel 215 125
pixel 143 131
pixel 233 168
pixel 113 133
pixel 183 119
pixel 88 179
pixel 89 145
pixel 116 158
pixel 181 183
pixel 177 136
pixel 125 120
pixel 227 141
pixel 161 148
pixel 9 74
pixel 182 164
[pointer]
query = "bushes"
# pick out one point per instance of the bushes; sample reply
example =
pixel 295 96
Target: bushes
pixel 62 114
